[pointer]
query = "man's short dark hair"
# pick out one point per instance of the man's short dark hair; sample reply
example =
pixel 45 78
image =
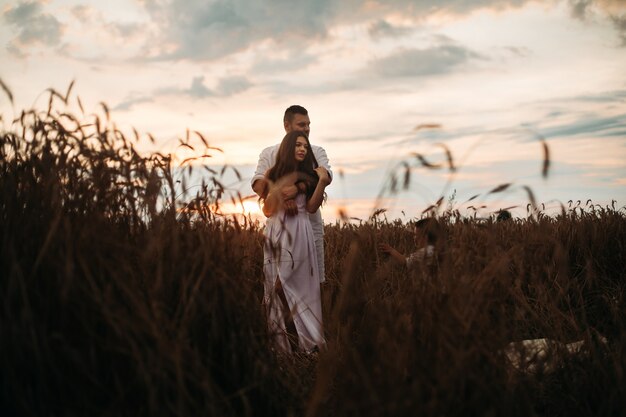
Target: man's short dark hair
pixel 292 111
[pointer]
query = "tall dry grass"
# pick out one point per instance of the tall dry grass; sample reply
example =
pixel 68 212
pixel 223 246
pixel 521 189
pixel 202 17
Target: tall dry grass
pixel 119 296
pixel 118 299
pixel 432 341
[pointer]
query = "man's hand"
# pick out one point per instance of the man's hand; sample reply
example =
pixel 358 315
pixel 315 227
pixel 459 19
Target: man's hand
pixel 290 206
pixel 289 191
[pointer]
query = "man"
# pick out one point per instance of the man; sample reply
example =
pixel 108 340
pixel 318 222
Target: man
pixel 295 118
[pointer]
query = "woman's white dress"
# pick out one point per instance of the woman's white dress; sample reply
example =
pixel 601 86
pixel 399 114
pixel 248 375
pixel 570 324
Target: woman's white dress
pixel 290 255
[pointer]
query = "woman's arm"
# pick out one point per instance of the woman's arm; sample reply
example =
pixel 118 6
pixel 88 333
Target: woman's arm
pixel 322 159
pixel 317 198
pixel 388 249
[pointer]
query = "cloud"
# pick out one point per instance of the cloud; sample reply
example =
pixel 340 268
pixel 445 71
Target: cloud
pixel 198 89
pixel 518 51
pixel 94 18
pixel 131 102
pixel 619 23
pixel 615 10
pixel 33 26
pixel 291 61
pixel 565 118
pixel 232 85
pixel 389 72
pixel 225 87
pixel 83 13
pixel 383 29
pixel 579 8
pixel 441 59
pixel 582 9
pixel 199 30
pixel 15 51
pixel 125 30
pixel 604 97
pixel 614 126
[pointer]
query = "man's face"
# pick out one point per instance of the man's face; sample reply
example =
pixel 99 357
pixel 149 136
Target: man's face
pixel 299 122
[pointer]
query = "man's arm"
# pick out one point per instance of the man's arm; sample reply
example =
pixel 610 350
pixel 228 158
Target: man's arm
pixel 258 182
pixel 274 198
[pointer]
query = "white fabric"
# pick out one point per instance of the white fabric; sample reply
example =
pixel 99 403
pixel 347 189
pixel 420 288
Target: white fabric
pixel 534 355
pixel 290 255
pixel 267 159
pixel 422 256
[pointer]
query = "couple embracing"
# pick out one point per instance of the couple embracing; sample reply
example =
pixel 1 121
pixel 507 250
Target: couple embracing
pixel 291 179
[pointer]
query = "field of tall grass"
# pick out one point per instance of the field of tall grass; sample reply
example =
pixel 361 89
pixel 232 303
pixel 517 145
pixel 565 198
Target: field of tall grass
pixel 121 297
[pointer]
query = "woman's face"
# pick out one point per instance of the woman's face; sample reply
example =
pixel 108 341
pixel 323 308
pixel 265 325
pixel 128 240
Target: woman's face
pixel 419 237
pixel 302 147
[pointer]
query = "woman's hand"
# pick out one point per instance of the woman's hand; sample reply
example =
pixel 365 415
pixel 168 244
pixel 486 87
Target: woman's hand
pixel 385 248
pixel 315 201
pixel 324 178
pixel 391 251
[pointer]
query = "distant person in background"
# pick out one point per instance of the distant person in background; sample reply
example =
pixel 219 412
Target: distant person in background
pixel 503 216
pixel 292 291
pixel 295 118
pixel 426 235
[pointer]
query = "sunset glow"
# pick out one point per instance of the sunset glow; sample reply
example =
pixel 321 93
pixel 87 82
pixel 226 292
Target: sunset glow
pixel 492 76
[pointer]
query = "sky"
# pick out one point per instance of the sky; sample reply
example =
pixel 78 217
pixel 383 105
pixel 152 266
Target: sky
pixel 384 81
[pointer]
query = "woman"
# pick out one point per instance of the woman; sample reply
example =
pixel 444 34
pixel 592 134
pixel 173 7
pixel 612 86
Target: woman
pixel 292 291
pixel 426 235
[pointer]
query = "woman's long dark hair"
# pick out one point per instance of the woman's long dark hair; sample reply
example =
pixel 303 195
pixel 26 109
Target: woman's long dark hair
pixel 286 162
